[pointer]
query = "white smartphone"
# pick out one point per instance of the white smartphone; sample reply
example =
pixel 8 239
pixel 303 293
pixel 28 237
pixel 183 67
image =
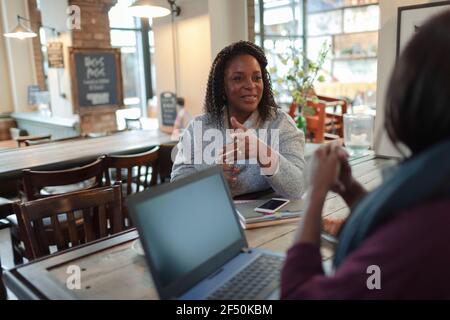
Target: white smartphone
pixel 272 206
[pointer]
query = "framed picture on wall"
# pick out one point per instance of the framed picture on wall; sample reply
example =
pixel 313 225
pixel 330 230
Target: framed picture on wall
pixel 411 18
pixel 96 76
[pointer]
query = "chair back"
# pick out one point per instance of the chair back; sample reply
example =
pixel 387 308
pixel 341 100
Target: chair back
pixel 102 216
pixel 40 184
pixel 165 161
pixel 137 172
pixel 324 123
pixel 21 140
pixel 36 142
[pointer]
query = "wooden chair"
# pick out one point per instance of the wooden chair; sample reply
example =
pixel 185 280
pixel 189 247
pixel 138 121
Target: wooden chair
pixel 102 217
pixel 43 141
pixel 41 184
pixel 165 161
pixel 324 124
pixel 36 142
pixel 22 139
pixel 136 172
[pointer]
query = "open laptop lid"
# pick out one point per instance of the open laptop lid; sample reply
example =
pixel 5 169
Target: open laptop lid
pixel 188 229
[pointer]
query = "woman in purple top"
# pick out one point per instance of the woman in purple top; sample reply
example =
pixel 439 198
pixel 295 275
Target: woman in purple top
pixel 396 242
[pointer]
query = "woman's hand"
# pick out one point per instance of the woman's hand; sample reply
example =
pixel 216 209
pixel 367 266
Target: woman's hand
pixel 230 172
pixel 347 187
pixel 246 145
pixel 324 174
pixel 325 169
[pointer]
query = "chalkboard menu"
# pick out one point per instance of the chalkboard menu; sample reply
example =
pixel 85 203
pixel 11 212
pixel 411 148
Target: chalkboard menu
pixel 32 94
pixel 96 77
pixel 168 108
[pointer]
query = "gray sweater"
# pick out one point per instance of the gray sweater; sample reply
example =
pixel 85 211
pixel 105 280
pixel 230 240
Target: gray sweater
pixel 287 182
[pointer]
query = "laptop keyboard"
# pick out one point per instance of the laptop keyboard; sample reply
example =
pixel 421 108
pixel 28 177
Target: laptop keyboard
pixel 255 281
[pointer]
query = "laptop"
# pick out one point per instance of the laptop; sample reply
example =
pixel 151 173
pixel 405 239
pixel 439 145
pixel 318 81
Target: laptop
pixel 195 246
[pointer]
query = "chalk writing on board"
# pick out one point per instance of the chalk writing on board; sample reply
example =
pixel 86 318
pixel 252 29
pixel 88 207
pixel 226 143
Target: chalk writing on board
pixel 168 108
pixel 98 78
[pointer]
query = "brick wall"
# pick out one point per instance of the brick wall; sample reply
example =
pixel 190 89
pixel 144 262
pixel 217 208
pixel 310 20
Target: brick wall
pixel 94 33
pixel 36 20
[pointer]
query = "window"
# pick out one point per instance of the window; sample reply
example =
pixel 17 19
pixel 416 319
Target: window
pixel 43 42
pixel 349 26
pixel 280 28
pixel 135 39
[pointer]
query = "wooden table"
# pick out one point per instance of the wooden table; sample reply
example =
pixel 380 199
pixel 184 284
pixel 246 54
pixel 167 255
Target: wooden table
pixel 8 144
pixel 63 154
pixel 111 269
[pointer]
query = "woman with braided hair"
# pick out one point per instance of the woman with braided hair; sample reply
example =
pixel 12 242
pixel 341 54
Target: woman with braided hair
pixel 261 146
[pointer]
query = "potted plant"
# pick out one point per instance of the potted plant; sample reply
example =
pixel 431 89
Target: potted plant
pixel 299 77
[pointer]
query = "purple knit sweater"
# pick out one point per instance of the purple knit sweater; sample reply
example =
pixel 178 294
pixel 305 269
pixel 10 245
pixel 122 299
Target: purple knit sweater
pixel 412 252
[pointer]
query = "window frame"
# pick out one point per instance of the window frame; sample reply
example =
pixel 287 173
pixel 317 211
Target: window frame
pixel 145 48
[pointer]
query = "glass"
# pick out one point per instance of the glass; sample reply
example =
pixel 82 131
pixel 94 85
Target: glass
pixel 131 79
pixel 358 133
pixel 123 38
pixel 320 5
pixel 356 45
pixel 118 17
pixel 355 71
pixel 362 19
pixel 325 23
pixel 283 18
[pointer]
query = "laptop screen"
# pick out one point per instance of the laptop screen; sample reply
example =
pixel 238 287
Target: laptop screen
pixel 187 229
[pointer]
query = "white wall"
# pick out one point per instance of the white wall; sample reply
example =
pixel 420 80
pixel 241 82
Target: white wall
pixel 54 15
pixel 6 104
pixel 228 23
pixel 193 53
pixel 19 55
pixel 386 59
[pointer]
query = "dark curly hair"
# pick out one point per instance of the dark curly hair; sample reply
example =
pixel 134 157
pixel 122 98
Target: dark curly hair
pixel 418 100
pixel 215 92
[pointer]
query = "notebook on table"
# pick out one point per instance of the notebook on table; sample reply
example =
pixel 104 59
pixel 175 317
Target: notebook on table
pixel 249 218
pixel 195 246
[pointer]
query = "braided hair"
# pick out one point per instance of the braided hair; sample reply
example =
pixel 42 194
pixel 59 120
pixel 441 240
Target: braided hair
pixel 215 100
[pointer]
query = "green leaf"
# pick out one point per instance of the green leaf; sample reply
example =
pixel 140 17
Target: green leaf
pixel 315 99
pixel 321 78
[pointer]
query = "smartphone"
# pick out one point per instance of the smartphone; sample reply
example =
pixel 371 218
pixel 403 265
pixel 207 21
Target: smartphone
pixel 272 206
